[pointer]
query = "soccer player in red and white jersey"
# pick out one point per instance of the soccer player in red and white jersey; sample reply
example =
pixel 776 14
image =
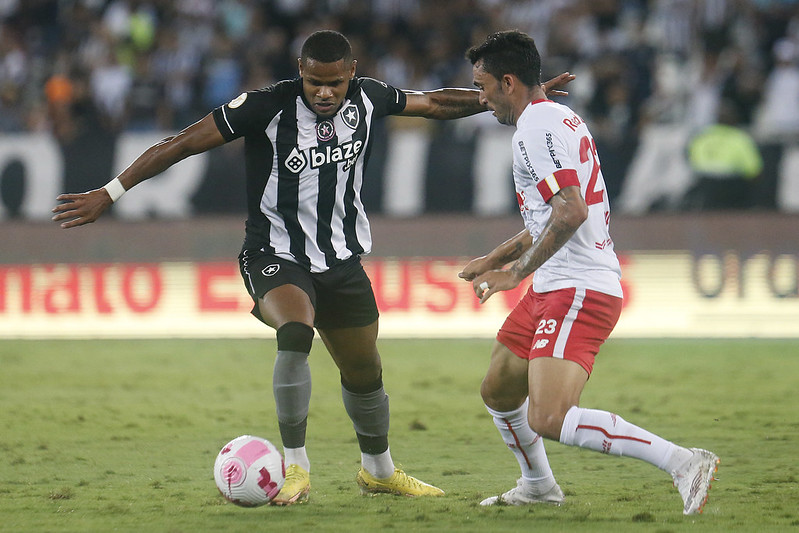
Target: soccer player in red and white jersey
pixel 544 352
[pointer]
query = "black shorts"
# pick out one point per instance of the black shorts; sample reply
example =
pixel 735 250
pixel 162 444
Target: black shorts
pixel 342 296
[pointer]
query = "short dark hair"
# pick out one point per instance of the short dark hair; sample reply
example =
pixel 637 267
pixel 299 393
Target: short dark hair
pixel 326 46
pixel 509 52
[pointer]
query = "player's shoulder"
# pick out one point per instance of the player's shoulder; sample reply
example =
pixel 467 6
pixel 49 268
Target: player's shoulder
pixel 550 116
pixel 282 90
pixel 371 86
pixel 369 83
pixel 546 110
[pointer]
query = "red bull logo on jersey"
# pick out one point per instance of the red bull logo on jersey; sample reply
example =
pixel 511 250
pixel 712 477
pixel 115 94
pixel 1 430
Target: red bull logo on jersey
pixel 573 123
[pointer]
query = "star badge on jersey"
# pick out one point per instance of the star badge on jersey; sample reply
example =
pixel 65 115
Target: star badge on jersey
pixel 350 116
pixel 325 130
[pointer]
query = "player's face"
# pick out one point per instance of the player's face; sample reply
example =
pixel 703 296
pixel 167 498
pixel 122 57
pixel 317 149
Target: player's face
pixel 325 84
pixel 492 94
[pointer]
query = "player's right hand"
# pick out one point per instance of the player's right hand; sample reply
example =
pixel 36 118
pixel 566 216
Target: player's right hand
pixel 81 208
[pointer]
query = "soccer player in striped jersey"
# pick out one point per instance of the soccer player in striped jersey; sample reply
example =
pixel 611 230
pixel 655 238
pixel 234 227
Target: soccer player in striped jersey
pixel 307 143
pixel 545 350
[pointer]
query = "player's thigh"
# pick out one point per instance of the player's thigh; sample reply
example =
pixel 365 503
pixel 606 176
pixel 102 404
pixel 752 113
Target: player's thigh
pixel 282 291
pixel 504 386
pixel 354 351
pixel 344 297
pixel 286 303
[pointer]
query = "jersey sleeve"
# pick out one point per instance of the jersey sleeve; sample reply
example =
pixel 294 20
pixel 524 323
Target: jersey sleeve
pixel 547 160
pixel 249 112
pixel 387 100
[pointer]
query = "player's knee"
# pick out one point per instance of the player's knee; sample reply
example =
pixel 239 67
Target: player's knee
pixel 546 421
pixel 295 337
pixel 498 397
pixel 360 375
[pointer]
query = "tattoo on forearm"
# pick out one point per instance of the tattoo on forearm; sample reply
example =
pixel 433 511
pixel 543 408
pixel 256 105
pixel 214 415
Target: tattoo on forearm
pixel 552 239
pixel 513 254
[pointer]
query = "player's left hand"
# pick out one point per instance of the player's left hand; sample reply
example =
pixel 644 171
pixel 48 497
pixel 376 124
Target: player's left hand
pixel 476 267
pixel 553 87
pixel 494 281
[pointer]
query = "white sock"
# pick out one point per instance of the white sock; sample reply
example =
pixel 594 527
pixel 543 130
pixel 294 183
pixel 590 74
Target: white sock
pixel 297 456
pixel 526 445
pixel 380 466
pixel 609 433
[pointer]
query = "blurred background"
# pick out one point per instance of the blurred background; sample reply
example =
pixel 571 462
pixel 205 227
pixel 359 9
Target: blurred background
pixel 694 105
pixel 83 79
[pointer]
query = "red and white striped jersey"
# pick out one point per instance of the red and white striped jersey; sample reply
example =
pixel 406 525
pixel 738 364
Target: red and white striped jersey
pixel 553 149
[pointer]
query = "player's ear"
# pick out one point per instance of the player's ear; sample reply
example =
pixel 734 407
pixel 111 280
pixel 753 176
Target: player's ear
pixel 508 83
pixel 352 68
pixel 299 66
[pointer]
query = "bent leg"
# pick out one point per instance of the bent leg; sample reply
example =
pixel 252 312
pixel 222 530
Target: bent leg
pixel 555 389
pixel 504 386
pixel 354 351
pixel 555 385
pixel 504 391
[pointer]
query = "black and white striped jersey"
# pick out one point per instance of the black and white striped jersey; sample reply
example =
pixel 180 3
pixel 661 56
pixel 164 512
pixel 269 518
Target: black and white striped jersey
pixel 304 173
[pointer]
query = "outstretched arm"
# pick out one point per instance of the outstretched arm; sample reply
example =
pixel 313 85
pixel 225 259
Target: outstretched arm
pixel 446 104
pixel 84 208
pixel 568 213
pixel 443 104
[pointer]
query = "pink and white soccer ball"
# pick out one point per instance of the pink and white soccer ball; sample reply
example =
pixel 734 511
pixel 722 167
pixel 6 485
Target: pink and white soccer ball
pixel 249 471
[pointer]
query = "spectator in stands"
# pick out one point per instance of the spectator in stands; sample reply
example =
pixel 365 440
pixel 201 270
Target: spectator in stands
pixel 780 109
pixel 725 160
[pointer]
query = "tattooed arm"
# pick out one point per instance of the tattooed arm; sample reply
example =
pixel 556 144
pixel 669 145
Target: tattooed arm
pixel 446 104
pixel 500 256
pixel 443 104
pixel 568 213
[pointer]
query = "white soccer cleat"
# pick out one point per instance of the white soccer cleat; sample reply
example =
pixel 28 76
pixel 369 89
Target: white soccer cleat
pixel 693 479
pixel 521 495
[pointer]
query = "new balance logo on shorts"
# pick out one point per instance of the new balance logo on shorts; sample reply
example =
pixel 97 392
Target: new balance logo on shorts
pixel 540 343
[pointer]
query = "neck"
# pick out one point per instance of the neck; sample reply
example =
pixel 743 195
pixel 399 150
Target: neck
pixel 525 97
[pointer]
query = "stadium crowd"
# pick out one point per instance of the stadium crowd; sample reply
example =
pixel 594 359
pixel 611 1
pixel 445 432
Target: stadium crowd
pixel 160 64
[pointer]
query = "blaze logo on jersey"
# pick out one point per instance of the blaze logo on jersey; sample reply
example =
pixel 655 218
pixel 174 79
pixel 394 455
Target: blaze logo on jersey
pixel 344 152
pixel 350 116
pixel 295 162
pixel 325 130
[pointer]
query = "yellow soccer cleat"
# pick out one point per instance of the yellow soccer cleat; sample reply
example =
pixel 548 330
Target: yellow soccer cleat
pixel 296 487
pixel 399 483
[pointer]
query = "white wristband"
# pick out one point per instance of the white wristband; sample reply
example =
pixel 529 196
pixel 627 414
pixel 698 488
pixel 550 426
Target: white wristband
pixel 114 189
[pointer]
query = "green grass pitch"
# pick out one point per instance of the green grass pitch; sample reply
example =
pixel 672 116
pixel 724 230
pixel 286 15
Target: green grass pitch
pixel 121 436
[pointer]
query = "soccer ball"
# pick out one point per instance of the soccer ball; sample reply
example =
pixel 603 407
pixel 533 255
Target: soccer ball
pixel 249 471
